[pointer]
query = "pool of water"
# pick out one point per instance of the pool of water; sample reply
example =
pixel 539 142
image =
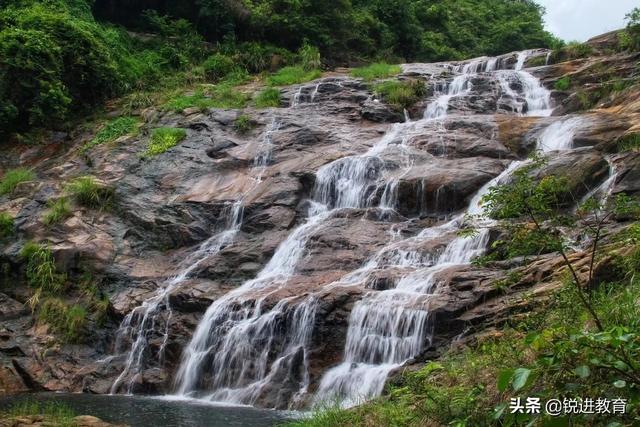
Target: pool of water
pixel 139 411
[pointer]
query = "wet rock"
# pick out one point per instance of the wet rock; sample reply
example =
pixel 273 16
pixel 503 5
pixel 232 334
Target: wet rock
pixel 376 111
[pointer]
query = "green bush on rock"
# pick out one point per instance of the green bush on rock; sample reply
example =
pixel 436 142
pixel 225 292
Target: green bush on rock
pixel 113 130
pixel 401 94
pixel 58 210
pixel 88 192
pixel 68 321
pixel 41 268
pixel 163 139
pixel 269 97
pixel 13 177
pixel 6 225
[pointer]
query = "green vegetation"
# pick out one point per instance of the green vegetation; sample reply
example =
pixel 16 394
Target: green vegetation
pixel 630 142
pixel 401 94
pixel 218 66
pixel 221 96
pixel 630 38
pixel 59 210
pixel 414 30
pixel 292 75
pixel 69 321
pixel 54 413
pixel 41 268
pixel 86 191
pixel 243 124
pixel 563 84
pixel 378 70
pixel 162 139
pixel 269 97
pixel 113 130
pixel 59 63
pixel 13 177
pixel 6 225
pixel 581 342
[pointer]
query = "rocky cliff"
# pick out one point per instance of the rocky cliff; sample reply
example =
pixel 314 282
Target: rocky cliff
pixel 270 240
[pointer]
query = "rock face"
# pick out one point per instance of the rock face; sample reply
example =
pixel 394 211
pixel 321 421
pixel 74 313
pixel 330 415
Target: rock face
pixel 304 220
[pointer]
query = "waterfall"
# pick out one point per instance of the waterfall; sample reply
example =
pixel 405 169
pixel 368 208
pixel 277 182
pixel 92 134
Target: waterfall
pixel 242 345
pixel 390 327
pixel 522 57
pixel 298 95
pixel 559 135
pixel 257 338
pixel 143 321
pixel 535 98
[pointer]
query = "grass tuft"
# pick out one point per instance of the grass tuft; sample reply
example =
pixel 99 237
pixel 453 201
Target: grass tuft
pixel 41 268
pixel 112 131
pixel 563 84
pixel 629 142
pixel 86 191
pixel 162 139
pixel 378 70
pixel 58 210
pixel 292 75
pixel 6 225
pixel 401 94
pixel 13 177
pixel 68 321
pixel 269 97
pixel 220 96
pixel 243 124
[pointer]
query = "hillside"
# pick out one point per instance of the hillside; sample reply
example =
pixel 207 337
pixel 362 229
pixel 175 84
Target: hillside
pixel 422 241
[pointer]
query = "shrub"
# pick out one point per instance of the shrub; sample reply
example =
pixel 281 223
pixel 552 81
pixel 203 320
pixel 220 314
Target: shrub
pixel 58 210
pixel 68 321
pixel 112 131
pixel 292 75
pixel 309 57
pixel 243 124
pixel 162 139
pixel 86 191
pixel 563 84
pixel 378 70
pixel 258 57
pixel 137 101
pixel 41 268
pixel 218 66
pixel 269 97
pixel 13 177
pixel 632 31
pixel 6 225
pixel 401 94
pixel 51 62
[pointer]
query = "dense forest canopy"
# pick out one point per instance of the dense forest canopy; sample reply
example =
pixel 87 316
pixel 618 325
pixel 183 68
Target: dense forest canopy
pixel 62 58
pixel 423 30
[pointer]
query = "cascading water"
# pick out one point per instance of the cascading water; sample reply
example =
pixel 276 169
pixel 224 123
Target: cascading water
pixel 531 95
pixel 142 322
pixel 236 352
pixel 252 340
pixel 559 135
pixel 387 328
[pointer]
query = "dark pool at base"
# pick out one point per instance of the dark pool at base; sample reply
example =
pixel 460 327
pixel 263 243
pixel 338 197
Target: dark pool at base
pixel 138 411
